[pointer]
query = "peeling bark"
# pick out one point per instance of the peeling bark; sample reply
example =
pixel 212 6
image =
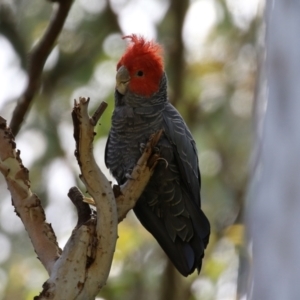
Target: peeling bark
pixel 27 205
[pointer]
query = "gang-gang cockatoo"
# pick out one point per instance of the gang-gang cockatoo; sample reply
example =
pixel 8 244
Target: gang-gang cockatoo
pixel 169 208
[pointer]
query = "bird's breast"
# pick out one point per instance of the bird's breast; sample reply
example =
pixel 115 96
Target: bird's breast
pixel 136 120
pixel 131 127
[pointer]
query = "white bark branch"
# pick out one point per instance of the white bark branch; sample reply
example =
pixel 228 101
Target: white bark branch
pixel 100 189
pixel 108 211
pixel 68 277
pixel 28 206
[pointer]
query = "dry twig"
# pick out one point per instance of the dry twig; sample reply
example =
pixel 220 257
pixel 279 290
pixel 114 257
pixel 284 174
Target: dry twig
pixel 36 62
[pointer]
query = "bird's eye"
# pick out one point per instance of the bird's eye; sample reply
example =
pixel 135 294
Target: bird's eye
pixel 140 73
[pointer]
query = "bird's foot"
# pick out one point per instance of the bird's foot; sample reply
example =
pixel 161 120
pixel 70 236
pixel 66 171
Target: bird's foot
pixel 128 176
pixel 143 146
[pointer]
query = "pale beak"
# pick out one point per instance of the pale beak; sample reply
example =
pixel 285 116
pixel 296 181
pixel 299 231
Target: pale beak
pixel 122 80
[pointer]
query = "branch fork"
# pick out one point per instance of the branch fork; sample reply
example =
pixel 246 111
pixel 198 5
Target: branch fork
pixel 82 268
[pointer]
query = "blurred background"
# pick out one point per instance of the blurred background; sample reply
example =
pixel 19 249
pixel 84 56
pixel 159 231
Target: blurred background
pixel 211 50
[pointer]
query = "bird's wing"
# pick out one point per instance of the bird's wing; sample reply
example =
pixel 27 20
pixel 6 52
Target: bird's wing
pixel 170 205
pixel 184 149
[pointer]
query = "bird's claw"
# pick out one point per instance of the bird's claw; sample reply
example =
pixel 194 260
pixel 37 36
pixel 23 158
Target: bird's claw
pixel 142 147
pixel 128 176
pixel 156 150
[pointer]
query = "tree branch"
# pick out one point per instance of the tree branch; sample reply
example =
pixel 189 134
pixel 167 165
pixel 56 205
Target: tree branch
pixel 36 62
pixel 68 276
pixel 108 212
pixel 100 189
pixel 84 265
pixel 27 205
pixel 84 211
pixel 175 47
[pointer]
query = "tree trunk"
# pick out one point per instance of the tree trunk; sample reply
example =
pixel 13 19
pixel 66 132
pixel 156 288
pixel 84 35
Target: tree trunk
pixel 274 195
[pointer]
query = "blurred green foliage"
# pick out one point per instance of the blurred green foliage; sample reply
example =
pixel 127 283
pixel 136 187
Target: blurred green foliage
pixel 213 89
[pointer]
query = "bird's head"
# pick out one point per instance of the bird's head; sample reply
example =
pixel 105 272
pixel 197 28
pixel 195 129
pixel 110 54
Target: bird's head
pixel 140 69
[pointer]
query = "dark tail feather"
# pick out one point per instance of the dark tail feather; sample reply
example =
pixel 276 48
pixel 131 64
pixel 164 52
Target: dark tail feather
pixel 186 256
pixel 200 222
